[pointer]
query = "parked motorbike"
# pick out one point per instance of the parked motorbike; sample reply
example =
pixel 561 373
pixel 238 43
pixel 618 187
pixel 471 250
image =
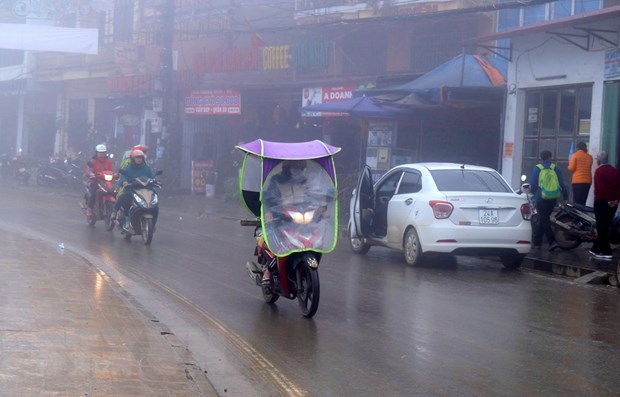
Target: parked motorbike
pixel 104 200
pixel 67 172
pixel 20 172
pixel 526 189
pixel 574 224
pixel 144 209
pixel 290 237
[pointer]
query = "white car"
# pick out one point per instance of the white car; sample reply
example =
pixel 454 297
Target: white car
pixel 440 207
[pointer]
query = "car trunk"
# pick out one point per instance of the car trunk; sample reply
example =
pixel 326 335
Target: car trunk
pixel 485 209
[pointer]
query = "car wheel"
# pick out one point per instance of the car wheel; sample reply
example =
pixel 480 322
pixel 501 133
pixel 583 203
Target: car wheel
pixel 412 247
pixel 512 261
pixel 358 245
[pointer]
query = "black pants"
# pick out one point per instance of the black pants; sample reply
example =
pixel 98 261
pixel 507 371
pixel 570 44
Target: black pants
pixel 604 215
pixel 92 194
pixel 544 208
pixel 580 193
pixel 124 201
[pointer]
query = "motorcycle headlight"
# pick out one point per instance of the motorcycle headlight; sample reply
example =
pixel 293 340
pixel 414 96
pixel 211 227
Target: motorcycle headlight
pixel 302 218
pixel 154 200
pixel 108 177
pixel 140 200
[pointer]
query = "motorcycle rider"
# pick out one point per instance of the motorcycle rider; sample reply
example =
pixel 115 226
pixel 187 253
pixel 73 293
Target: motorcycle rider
pixel 286 188
pixel 126 160
pixel 98 164
pixel 136 168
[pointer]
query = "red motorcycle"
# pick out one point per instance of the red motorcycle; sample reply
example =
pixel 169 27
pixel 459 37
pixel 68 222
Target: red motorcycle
pixel 104 200
pixel 296 216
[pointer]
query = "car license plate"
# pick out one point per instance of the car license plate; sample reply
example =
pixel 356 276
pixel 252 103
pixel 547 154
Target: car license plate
pixel 489 217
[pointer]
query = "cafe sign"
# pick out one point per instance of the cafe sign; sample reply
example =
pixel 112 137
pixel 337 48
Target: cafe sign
pixel 213 102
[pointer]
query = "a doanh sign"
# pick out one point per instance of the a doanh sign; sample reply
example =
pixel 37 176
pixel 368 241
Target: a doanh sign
pixel 213 102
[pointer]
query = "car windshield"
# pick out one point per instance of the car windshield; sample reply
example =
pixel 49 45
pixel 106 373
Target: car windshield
pixel 469 181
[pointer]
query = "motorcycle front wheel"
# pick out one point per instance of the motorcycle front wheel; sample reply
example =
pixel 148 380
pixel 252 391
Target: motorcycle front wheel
pixel 308 290
pixel 147 230
pixel 107 215
pixel 564 238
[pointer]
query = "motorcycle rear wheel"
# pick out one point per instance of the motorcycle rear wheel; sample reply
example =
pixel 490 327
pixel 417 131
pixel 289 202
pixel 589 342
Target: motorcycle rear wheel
pixel 147 230
pixel 563 237
pixel 308 290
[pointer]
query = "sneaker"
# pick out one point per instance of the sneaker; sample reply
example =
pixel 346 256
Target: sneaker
pixel 89 212
pixel 127 224
pixel 600 256
pixel 553 246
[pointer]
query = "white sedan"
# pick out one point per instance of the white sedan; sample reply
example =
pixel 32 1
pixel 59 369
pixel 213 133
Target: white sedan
pixel 440 207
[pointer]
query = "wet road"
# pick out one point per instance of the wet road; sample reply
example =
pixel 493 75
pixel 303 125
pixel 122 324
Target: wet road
pixel 382 328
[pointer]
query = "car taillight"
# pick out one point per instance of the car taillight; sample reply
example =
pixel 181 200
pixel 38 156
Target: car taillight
pixel 441 209
pixel 526 212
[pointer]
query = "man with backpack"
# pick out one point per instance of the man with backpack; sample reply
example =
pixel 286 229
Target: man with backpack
pixel 606 195
pixel 547 186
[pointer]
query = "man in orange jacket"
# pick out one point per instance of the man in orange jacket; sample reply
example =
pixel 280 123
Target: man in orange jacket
pixel 580 164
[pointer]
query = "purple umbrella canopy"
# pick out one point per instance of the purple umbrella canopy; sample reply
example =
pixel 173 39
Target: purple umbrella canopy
pixel 289 150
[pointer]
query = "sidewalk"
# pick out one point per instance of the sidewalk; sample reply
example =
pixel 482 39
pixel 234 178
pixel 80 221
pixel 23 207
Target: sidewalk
pixel 67 329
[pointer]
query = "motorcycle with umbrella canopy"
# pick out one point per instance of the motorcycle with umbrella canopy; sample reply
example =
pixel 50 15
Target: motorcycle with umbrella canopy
pixel 290 188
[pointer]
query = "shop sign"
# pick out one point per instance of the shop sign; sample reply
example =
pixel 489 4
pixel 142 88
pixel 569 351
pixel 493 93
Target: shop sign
pixel 612 63
pixel 133 84
pixel 237 60
pixel 200 168
pixel 213 102
pixel 317 95
pixel 277 57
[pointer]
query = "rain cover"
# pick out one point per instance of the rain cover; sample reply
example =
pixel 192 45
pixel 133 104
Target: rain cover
pixel 299 210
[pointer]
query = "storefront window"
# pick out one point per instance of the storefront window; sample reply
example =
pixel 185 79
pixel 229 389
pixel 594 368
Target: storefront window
pixel 549 113
pixel 534 14
pixel 562 8
pixel 555 120
pixel 568 100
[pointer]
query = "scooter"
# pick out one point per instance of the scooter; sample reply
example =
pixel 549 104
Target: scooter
pixel 67 172
pixel 144 209
pixel 574 224
pixel 290 238
pixel 104 200
pixel 526 189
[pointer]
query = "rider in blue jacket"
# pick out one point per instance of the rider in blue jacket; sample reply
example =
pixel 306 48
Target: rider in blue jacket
pixel 135 169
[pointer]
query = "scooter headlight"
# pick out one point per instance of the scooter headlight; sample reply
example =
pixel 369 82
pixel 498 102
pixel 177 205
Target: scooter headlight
pixel 140 200
pixel 154 200
pixel 302 218
pixel 108 177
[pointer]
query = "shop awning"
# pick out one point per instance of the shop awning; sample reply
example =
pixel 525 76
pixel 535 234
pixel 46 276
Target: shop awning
pixel 360 106
pixel 585 18
pixel 466 80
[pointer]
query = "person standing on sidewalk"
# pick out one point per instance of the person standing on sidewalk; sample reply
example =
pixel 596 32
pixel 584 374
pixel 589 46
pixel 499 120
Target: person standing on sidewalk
pixel 547 187
pixel 606 195
pixel 580 164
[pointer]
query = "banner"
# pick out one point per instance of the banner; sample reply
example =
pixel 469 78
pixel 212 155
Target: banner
pixel 317 95
pixel 48 38
pixel 213 102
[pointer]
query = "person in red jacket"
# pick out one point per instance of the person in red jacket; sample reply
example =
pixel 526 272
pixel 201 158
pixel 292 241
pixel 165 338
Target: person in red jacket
pixel 606 195
pixel 98 164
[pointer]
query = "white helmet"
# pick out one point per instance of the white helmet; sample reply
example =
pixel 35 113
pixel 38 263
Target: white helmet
pixel 101 148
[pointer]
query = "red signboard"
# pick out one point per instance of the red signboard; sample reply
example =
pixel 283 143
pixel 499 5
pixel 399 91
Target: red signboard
pixel 213 102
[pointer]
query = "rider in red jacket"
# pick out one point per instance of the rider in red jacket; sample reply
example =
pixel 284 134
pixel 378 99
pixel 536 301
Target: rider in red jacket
pixel 98 164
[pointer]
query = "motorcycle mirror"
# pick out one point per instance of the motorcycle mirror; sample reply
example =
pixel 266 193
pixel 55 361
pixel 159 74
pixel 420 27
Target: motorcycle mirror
pixel 158 173
pixel 111 155
pixel 523 178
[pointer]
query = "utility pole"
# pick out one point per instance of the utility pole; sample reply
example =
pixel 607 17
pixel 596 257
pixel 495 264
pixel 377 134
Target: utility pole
pixel 169 116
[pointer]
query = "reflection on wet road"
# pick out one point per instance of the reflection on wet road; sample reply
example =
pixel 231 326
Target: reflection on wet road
pixel 383 328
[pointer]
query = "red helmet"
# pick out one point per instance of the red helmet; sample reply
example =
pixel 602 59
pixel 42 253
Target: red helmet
pixel 140 147
pixel 136 153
